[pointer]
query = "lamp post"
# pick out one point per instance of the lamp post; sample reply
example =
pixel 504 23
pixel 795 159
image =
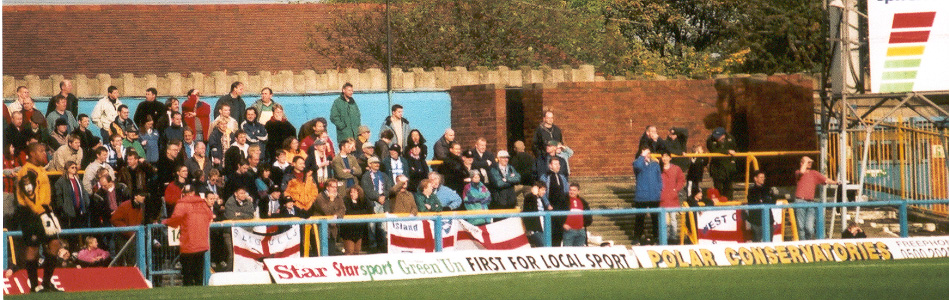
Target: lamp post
pixel 388 56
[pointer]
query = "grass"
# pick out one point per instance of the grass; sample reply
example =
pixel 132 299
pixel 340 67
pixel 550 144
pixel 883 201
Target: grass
pixel 902 279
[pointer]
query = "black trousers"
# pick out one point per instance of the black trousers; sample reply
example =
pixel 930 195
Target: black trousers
pixel 640 221
pixel 192 268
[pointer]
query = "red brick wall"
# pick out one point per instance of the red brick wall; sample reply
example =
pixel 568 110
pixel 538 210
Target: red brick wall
pixel 141 39
pixel 602 121
pixel 780 114
pixel 479 111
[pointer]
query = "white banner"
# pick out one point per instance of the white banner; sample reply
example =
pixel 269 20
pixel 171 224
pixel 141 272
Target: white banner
pixel 446 264
pixel 458 234
pixel 909 41
pixel 791 252
pixel 251 248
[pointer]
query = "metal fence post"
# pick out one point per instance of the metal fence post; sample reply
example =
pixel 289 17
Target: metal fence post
pixel 663 234
pixel 149 256
pixel 141 248
pixel 766 230
pixel 437 228
pixel 548 233
pixel 6 246
pixel 324 238
pixel 207 266
pixel 904 220
pixel 819 219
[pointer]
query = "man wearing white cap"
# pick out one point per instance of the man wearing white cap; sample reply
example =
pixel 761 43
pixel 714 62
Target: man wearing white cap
pixel 503 180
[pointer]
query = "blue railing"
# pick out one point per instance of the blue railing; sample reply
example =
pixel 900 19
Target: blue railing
pixel 323 224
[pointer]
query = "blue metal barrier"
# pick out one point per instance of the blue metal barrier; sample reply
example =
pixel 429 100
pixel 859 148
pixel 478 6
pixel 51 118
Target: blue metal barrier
pixel 323 223
pixel 140 259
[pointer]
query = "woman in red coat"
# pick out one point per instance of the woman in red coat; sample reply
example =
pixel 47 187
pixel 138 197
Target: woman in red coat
pixel 193 216
pixel 673 180
pixel 197 112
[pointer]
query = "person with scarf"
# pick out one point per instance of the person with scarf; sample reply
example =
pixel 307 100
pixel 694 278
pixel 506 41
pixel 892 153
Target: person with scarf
pixel 236 152
pixel 220 138
pixel 317 161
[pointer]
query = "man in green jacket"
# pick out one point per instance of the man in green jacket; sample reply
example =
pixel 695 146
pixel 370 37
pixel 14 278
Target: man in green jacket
pixel 345 115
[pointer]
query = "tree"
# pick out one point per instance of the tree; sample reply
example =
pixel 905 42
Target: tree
pixel 697 38
pixel 446 33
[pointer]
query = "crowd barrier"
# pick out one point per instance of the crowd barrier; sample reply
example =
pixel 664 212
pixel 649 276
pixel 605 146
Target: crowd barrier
pixel 164 264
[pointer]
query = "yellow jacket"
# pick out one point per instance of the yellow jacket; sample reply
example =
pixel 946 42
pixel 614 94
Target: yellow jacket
pixel 42 189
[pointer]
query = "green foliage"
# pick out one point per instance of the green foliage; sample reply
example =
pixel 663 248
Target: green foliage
pixel 696 38
pixel 446 33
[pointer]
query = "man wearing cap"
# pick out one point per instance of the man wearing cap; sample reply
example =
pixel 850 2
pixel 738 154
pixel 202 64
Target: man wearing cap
pixel 131 142
pixel 317 161
pixel 395 165
pixel 365 152
pixel 503 180
pixel 271 206
pixel 60 130
pixel 377 184
pixel 542 162
pixel 363 136
pixel 722 169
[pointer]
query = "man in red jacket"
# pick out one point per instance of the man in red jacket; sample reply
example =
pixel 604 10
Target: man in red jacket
pixel 193 215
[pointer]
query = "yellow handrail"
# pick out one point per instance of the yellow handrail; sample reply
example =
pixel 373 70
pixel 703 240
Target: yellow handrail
pixel 752 159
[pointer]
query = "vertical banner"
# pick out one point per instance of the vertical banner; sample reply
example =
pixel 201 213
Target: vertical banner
pixel 909 42
pixel 252 247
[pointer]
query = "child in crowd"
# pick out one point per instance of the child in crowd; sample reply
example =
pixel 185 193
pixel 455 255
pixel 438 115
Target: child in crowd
pixel 91 255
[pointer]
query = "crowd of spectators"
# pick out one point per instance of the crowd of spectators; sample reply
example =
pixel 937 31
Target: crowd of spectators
pixel 249 161
pixel 253 163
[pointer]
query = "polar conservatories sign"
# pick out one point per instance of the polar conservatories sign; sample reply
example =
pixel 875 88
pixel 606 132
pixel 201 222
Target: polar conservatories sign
pixel 909 45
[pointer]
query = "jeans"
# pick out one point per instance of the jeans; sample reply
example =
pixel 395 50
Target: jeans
pixel 672 224
pixel 806 221
pixel 575 238
pixel 377 232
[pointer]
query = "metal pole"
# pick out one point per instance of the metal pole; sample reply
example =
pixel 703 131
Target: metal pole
pixel 437 228
pixel 324 238
pixel 904 220
pixel 140 250
pixel 388 56
pixel 548 233
pixel 766 230
pixel 663 234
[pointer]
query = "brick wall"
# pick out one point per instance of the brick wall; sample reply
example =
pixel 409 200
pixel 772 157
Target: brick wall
pixel 603 121
pixel 479 111
pixel 780 116
pixel 141 39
